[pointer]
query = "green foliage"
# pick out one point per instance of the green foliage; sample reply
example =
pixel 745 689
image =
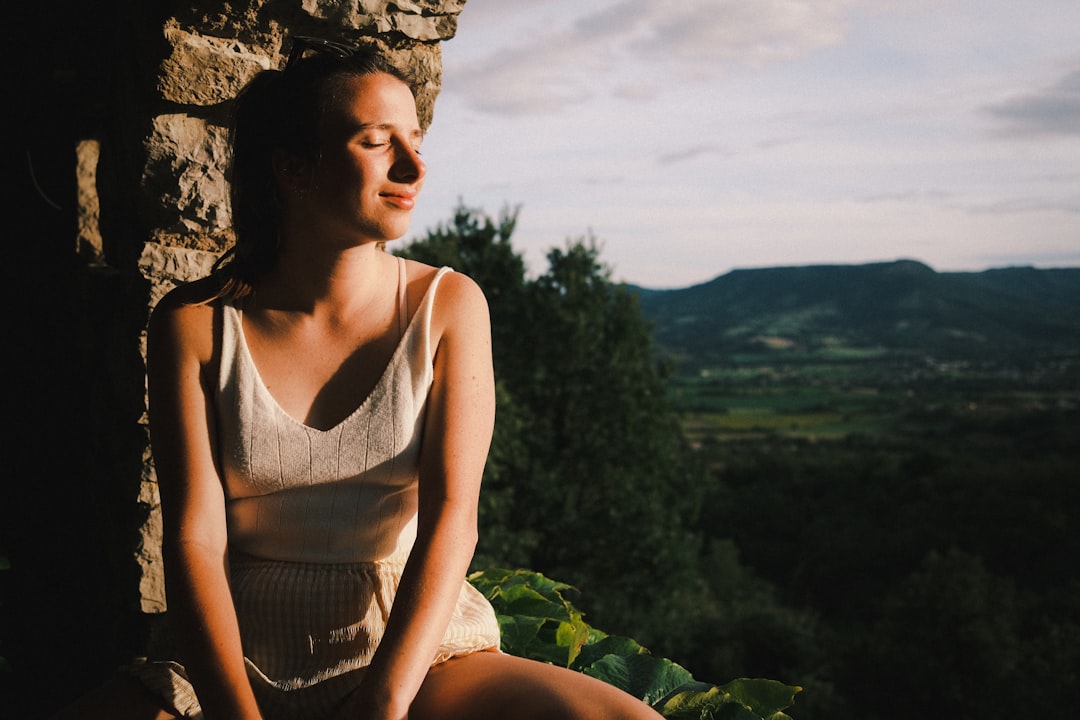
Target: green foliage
pixel 947 632
pixel 538 620
pixel 741 699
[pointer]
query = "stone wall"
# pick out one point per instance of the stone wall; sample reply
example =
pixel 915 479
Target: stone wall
pixel 123 195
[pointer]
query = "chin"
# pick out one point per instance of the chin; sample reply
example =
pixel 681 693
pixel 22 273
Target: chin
pixel 398 231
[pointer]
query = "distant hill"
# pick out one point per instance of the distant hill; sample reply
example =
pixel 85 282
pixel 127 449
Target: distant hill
pixel 896 307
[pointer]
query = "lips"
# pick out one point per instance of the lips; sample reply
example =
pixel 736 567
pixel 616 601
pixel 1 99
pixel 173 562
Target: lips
pixel 405 199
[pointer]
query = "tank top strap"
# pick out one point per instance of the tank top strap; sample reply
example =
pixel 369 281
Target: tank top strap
pixel 403 299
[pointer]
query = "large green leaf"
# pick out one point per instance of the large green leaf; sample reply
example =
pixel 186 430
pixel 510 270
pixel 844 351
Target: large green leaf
pixel 698 701
pixel 522 600
pixel 740 699
pixel 764 697
pixel 642 675
pixel 572 636
pixel 598 647
pixel 519 635
pixel 497 580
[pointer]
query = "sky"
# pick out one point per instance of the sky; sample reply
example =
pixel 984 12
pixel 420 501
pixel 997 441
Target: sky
pixel 695 137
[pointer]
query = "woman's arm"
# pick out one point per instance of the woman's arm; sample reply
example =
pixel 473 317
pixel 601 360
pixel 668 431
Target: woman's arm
pixel 194 546
pixel 457 435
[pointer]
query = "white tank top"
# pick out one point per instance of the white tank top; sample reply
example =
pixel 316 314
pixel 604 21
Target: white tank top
pixel 346 494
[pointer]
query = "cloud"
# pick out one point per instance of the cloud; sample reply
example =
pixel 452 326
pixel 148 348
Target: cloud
pixel 521 81
pixel 692 153
pixel 629 48
pixel 1012 206
pixel 931 196
pixel 636 92
pixel 697 33
pixel 1054 110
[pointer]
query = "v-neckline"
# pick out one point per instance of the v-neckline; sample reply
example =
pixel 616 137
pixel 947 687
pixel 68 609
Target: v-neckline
pixel 265 391
pixel 380 381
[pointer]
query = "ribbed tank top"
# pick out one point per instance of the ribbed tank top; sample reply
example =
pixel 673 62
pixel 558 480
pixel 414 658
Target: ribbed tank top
pixel 343 495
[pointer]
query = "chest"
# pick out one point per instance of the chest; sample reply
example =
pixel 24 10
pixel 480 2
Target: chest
pixel 319 374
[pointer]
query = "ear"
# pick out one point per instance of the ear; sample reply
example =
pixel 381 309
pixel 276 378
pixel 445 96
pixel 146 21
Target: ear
pixel 289 171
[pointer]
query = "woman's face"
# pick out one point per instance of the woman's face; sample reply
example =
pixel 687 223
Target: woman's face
pixel 369 171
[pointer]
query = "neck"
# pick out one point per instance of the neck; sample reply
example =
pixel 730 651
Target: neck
pixel 305 278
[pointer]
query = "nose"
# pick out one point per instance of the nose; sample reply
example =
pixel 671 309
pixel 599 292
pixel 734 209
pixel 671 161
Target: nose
pixel 408 167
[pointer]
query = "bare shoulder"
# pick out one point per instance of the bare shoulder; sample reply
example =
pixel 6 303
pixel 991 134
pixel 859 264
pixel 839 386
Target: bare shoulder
pixel 184 317
pixel 457 294
pixel 459 313
pixel 459 288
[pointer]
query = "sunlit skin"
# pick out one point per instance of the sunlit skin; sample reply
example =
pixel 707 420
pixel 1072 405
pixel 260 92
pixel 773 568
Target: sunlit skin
pixel 369 173
pixel 321 327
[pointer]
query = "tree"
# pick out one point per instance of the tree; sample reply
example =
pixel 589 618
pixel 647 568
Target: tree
pixel 614 478
pixel 589 479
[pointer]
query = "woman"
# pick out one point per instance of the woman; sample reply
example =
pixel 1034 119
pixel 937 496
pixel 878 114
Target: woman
pixel 320 413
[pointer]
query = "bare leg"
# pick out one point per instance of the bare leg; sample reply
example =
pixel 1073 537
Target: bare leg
pixel 494 686
pixel 121 698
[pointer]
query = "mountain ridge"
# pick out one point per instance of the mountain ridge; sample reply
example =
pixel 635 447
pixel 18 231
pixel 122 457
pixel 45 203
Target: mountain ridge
pixel 901 306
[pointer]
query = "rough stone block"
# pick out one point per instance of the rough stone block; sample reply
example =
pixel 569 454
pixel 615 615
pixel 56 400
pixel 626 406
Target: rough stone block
pixel 185 173
pixel 166 267
pixel 203 70
pixel 422 20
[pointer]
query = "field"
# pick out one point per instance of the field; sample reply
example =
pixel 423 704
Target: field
pixel 860 392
